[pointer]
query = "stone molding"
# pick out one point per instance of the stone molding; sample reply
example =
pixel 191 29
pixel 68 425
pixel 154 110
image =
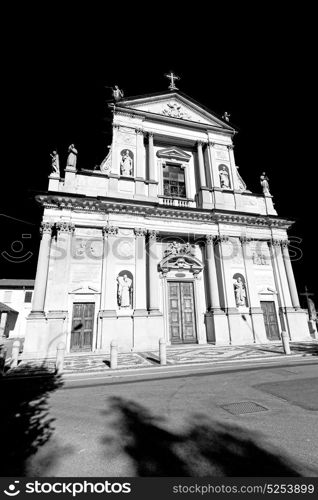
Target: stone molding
pixel 158 212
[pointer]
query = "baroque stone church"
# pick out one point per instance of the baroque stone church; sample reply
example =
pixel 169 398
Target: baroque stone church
pixel 164 240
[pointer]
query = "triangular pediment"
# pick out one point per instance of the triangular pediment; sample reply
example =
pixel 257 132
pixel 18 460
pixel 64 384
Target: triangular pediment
pixel 173 154
pixel 175 106
pixel 84 289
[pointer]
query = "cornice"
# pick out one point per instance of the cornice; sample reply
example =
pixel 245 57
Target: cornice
pixel 157 211
pixel 180 122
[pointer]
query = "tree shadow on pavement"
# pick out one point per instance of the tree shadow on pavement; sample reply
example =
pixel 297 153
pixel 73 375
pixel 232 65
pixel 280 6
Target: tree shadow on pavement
pixel 25 421
pixel 205 448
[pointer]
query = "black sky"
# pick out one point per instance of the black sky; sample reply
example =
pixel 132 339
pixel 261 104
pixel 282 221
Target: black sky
pixel 260 70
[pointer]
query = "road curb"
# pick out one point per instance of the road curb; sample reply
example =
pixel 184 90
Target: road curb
pixel 109 372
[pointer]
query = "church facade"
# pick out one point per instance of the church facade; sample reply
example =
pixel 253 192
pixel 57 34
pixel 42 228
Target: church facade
pixel 163 241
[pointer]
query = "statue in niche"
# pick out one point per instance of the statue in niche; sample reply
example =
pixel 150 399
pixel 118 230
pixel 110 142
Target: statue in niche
pixel 124 289
pixel 126 164
pixel 264 183
pixel 224 177
pixel 240 292
pixel 55 163
pixel 72 157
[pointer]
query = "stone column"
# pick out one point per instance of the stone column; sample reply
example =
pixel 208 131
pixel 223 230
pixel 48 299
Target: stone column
pixel 151 158
pixel 290 276
pixel 204 192
pixel 140 169
pixel 217 326
pixel 61 259
pixel 256 313
pixel 249 272
pixel 140 272
pixel 214 299
pixel 153 273
pixel 234 178
pixel 42 268
pixel 110 291
pixel 104 268
pixel 201 165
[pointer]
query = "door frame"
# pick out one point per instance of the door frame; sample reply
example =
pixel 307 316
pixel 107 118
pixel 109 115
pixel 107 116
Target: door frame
pixel 276 315
pixel 166 301
pixel 79 351
pixel 82 298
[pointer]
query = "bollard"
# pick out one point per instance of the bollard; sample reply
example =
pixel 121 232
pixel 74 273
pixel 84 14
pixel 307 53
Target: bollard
pixel 113 354
pixel 15 353
pixel 285 340
pixel 60 353
pixel 162 351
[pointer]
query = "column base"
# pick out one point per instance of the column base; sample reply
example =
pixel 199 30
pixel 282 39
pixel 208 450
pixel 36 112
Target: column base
pixel 217 327
pixel 155 312
pixel 297 322
pixel 140 312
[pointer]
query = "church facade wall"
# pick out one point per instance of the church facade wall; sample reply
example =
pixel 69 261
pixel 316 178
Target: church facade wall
pixel 163 241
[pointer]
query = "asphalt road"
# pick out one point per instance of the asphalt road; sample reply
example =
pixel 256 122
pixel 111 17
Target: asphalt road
pixel 182 422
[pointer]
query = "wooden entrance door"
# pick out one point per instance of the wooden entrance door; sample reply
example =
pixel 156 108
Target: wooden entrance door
pixel 82 326
pixel 270 320
pixel 181 312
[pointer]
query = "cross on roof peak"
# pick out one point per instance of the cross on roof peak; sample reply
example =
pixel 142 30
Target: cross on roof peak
pixel 172 76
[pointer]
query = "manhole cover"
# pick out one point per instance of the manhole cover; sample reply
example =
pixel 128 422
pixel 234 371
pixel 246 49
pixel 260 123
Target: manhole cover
pixel 243 407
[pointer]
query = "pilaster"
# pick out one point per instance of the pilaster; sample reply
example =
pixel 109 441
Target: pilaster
pixel 140 271
pixel 153 273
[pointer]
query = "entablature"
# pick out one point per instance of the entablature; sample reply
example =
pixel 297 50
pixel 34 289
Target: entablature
pixel 156 211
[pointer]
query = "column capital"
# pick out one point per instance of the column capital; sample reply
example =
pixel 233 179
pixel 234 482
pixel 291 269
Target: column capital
pixel 210 238
pixel 276 242
pixel 153 234
pixel 150 134
pixel 201 142
pixel 46 227
pixel 140 232
pixel 110 230
pixel 139 131
pixel 223 238
pixel 230 147
pixel 211 143
pixel 245 240
pixel 285 243
pixel 65 227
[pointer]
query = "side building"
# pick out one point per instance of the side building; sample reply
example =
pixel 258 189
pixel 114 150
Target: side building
pixel 163 241
pixel 15 306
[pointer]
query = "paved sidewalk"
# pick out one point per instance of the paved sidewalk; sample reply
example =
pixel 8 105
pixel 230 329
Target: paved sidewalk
pixel 181 355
